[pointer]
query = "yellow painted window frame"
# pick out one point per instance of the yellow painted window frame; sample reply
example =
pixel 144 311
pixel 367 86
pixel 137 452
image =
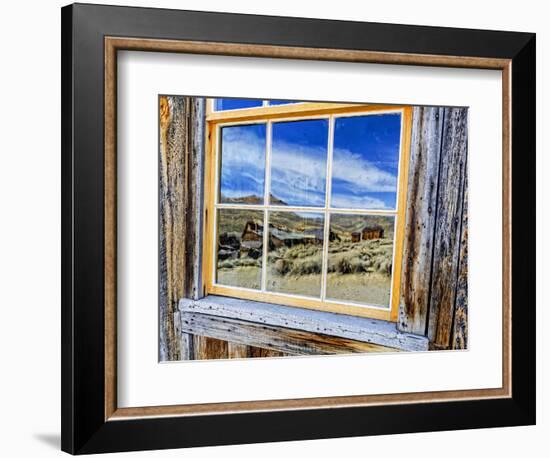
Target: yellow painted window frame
pixel 298 111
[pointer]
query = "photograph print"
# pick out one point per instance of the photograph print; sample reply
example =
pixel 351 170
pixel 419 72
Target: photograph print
pixel 299 228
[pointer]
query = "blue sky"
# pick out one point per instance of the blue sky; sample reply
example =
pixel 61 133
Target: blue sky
pixel 234 104
pixel 365 161
pixel 299 161
pixel 243 162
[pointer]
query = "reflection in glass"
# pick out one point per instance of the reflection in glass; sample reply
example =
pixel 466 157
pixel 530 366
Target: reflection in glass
pixel 239 248
pixel 298 162
pixel 360 258
pixel 242 162
pixel 294 262
pixel 365 161
pixel 236 104
pixel 282 102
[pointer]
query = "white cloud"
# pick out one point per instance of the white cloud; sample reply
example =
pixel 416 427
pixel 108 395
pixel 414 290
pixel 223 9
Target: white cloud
pixel 243 157
pixel 242 148
pixel 299 175
pixel 351 201
pixel 362 174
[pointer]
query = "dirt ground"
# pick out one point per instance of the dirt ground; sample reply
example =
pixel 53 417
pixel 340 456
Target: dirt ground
pixel 365 288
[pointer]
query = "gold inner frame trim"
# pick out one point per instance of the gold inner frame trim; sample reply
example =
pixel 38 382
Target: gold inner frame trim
pixel 114 44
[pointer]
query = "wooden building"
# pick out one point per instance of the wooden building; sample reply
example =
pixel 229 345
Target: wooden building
pixel 432 300
pixel 253 230
pixel 371 232
pixel 252 240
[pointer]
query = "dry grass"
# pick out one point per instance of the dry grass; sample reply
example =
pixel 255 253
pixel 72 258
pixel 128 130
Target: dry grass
pixel 242 276
pixel 357 272
pixel 368 256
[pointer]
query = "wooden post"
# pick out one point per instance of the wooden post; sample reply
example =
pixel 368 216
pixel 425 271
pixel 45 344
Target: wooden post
pixel 460 325
pixel 433 299
pixel 447 237
pixel 420 218
pixel 180 205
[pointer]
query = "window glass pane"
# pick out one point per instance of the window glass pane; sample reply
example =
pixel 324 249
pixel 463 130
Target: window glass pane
pixel 360 259
pixel 298 162
pixel 295 253
pixel 239 248
pixel 236 104
pixel 242 167
pixel 365 161
pixel 281 102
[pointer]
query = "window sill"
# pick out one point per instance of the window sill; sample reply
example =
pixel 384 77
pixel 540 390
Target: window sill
pixel 368 330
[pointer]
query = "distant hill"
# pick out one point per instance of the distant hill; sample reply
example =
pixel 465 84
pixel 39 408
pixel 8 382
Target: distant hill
pixel 276 201
pixel 235 220
pixel 251 199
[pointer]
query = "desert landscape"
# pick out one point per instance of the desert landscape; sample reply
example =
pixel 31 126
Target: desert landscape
pixel 359 263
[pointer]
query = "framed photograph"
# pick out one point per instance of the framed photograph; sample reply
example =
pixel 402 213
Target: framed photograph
pixel 282 228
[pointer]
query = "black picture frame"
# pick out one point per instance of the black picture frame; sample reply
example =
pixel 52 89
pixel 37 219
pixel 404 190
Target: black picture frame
pixel 84 428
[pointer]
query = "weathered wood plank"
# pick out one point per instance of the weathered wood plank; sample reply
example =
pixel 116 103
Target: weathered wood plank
pixel 185 347
pixel 195 197
pixel 420 219
pixel 236 350
pixel 460 325
pixel 209 348
pixel 447 231
pixel 173 143
pixel 180 184
pixel 257 352
pixel 284 340
pixel 346 326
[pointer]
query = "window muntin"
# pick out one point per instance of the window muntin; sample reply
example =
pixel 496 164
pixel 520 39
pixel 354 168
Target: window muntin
pixel 274 287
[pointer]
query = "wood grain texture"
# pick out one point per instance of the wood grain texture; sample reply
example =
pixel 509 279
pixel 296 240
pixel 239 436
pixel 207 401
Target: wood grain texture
pixel 399 240
pixel 195 197
pixel 257 352
pixel 290 341
pixel 209 348
pixel 420 218
pixel 173 144
pixel 366 330
pixel 236 350
pixel 110 235
pixel 460 324
pixel 293 52
pixel 181 123
pixel 447 235
pixel 187 342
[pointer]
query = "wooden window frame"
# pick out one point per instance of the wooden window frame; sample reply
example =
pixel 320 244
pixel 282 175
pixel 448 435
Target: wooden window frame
pixel 293 112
